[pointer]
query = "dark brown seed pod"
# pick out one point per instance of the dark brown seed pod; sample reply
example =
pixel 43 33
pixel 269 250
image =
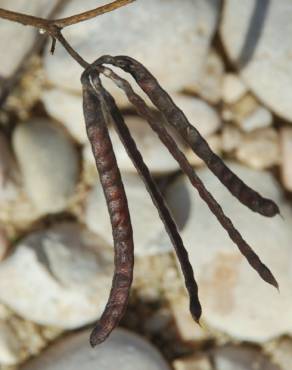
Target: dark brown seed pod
pixel 158 201
pixel 111 181
pixel 190 134
pixel 145 112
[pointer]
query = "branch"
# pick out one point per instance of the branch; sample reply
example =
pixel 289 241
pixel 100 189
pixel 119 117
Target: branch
pixel 46 24
pixel 65 22
pixel 53 27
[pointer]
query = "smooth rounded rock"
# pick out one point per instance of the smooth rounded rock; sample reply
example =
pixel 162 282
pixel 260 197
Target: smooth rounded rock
pixel 48 162
pixel 143 30
pixel 10 352
pixel 149 235
pixel 209 86
pixel 9 174
pixel 286 153
pixel 233 88
pixel 122 350
pixel 240 358
pixel 59 277
pixel 155 154
pixel 199 113
pixel 259 149
pixel 234 298
pixel 67 109
pixel 251 32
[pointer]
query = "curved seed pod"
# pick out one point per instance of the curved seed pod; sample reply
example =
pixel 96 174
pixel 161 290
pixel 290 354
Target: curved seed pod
pixel 118 209
pixel 190 134
pixel 169 224
pixel 145 112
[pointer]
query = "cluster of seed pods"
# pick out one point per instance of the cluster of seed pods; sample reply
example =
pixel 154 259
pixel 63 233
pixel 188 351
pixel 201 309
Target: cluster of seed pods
pixel 99 109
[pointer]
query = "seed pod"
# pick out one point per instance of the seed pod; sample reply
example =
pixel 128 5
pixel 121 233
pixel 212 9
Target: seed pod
pixel 190 134
pixel 95 120
pixel 185 166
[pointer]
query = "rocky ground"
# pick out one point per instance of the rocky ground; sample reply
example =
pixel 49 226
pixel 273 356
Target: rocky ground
pixel 228 66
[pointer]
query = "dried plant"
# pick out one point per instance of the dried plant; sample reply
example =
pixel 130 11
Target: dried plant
pixel 99 108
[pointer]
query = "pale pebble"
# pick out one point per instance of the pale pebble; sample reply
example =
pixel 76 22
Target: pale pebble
pixel 231 138
pixel 59 277
pixel 122 350
pixel 281 353
pixel 251 32
pixel 234 299
pixel 49 164
pixel 233 88
pixel 10 353
pixel 187 328
pixel 209 86
pixel 66 108
pixel 260 118
pixel 286 155
pixel 199 113
pixel 240 358
pixel 260 149
pixel 193 363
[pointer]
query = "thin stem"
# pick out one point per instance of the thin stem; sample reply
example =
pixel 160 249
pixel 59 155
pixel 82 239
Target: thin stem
pixel 10 83
pixel 65 22
pixel 54 27
pixel 25 19
pixel 73 53
pixel 46 24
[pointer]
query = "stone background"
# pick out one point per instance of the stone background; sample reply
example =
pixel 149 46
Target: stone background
pixel 228 66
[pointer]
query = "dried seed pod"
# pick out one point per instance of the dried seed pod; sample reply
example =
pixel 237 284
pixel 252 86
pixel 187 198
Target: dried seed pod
pixel 158 201
pixel 190 134
pixel 168 141
pixel 95 120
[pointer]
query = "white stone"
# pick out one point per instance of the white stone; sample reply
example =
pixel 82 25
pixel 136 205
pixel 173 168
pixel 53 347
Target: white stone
pixel 286 151
pixel 193 363
pixel 249 115
pixel 155 155
pixel 240 358
pixel 209 86
pixel 188 330
pixel 66 108
pixel 48 162
pixel 24 36
pixel 122 350
pixel 231 138
pixel 233 88
pixel 142 30
pixel 281 353
pixel 251 32
pixel 261 117
pixel 9 345
pixel 149 235
pixel 234 298
pixel 260 149
pixel 199 113
pixel 60 277
pixel 9 175
pixel 4 243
